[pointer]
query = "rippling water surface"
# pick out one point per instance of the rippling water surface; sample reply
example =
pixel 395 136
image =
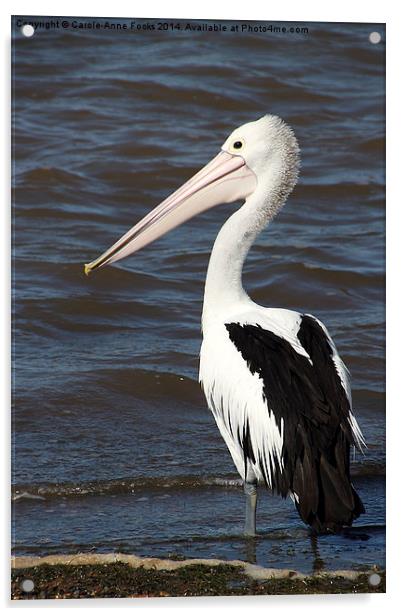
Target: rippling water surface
pixel 113 446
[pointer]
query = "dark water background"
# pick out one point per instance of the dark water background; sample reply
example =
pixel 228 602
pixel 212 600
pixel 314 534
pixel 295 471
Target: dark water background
pixel 114 448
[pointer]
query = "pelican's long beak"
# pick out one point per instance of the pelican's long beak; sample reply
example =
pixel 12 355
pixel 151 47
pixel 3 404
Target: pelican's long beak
pixel 223 180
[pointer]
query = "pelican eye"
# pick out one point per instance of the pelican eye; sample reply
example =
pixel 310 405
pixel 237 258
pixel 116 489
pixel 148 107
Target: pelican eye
pixel 237 145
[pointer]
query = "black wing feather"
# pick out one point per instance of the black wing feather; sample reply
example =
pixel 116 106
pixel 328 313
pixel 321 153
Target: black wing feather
pixel 311 400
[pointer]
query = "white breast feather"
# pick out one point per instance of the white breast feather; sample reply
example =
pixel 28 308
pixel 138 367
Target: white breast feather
pixel 235 395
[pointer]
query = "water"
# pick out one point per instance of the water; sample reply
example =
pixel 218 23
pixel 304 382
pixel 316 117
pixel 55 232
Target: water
pixel 113 446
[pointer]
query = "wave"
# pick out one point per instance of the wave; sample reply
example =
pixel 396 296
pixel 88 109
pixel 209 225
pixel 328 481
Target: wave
pixel 130 485
pixel 120 486
pixel 317 277
pixel 335 189
pixel 46 176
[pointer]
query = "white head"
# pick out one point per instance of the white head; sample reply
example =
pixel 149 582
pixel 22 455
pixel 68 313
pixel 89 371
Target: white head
pixel 260 158
pixel 270 149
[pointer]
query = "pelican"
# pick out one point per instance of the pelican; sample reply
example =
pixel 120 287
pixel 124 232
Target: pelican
pixel 273 379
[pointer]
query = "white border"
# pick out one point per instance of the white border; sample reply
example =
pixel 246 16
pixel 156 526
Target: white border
pixel 340 10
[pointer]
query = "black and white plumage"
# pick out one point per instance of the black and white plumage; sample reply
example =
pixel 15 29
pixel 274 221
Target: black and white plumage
pixel 278 390
pixel 304 405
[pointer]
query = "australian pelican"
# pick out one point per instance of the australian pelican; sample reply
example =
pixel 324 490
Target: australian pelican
pixel 273 379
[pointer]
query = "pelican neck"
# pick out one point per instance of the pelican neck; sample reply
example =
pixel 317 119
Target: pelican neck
pixel 224 291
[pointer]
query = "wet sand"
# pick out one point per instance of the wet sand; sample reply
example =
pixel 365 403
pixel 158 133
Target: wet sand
pixel 69 576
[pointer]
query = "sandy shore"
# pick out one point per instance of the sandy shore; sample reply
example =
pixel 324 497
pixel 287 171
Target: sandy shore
pixel 123 575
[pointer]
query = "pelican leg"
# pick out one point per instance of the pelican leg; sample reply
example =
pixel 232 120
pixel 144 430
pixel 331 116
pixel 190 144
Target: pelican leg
pixel 250 490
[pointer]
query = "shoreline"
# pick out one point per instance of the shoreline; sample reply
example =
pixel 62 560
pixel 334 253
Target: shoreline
pixel 127 575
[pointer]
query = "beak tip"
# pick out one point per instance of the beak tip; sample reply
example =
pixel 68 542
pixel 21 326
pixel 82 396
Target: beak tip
pixel 87 269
